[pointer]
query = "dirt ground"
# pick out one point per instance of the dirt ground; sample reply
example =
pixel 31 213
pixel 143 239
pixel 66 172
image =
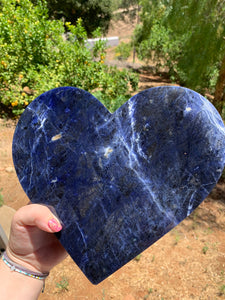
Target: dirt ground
pixel 187 263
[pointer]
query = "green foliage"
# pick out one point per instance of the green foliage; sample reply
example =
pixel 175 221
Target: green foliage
pixel 103 294
pixel 222 290
pixel 1 198
pixel 94 13
pixel 187 37
pixel 177 237
pixel 114 87
pixel 138 257
pixel 125 3
pixel 35 58
pixel 150 291
pixel 123 51
pixel 63 285
pixel 205 249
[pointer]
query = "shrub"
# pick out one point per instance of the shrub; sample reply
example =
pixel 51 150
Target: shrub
pixel 123 51
pixel 35 57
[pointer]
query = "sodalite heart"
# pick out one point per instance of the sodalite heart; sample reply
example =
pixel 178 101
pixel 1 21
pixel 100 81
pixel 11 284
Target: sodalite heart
pixel 118 181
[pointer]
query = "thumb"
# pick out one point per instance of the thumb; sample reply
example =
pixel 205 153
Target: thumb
pixel 37 215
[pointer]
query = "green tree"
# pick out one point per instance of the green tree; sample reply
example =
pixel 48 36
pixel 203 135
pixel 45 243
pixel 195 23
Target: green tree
pixel 94 13
pixel 187 36
pixel 219 97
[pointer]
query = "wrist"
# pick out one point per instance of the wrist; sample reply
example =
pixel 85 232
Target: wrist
pixel 25 261
pixel 20 268
pixel 18 286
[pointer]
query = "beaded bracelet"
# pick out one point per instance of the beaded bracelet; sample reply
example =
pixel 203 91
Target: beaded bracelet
pixel 17 268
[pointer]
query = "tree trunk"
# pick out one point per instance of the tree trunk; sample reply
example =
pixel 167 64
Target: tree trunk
pixel 219 97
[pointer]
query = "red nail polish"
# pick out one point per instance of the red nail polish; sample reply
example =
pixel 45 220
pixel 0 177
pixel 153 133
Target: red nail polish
pixel 54 225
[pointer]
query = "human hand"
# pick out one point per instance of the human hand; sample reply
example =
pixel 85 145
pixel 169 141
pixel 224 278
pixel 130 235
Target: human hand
pixel 32 243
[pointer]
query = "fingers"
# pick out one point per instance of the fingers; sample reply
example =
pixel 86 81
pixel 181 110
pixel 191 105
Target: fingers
pixel 37 215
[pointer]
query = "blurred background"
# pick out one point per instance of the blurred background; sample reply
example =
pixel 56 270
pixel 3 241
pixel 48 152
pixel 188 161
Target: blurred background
pixel 114 49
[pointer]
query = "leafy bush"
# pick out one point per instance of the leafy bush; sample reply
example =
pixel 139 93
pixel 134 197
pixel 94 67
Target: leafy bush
pixel 123 51
pixel 36 58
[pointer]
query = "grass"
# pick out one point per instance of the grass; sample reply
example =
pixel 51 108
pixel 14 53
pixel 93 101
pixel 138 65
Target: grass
pixel 138 257
pixel 103 294
pixel 194 217
pixel 222 274
pixel 205 249
pixel 177 237
pixel 148 294
pixel 63 285
pixel 208 231
pixel 1 197
pixel 222 290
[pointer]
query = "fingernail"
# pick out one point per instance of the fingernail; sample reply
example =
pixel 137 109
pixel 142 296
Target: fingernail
pixel 54 225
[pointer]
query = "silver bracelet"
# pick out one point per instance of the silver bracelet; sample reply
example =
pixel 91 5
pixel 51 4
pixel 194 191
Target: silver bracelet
pixel 17 268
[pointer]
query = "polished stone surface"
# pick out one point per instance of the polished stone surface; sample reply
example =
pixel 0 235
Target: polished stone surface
pixel 120 181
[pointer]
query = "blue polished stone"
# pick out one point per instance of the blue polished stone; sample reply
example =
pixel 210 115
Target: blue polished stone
pixel 120 181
